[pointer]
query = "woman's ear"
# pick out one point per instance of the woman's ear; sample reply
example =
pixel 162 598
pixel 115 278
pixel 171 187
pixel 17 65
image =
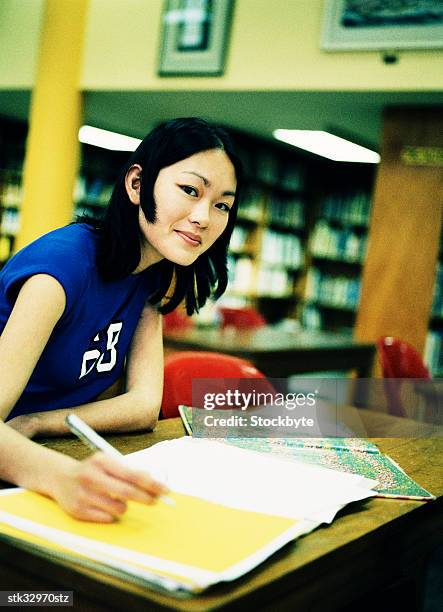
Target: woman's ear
pixel 132 183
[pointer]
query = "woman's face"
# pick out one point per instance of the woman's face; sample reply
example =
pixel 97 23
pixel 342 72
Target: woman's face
pixel 193 198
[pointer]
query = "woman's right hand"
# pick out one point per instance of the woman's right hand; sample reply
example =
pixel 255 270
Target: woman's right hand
pixel 98 488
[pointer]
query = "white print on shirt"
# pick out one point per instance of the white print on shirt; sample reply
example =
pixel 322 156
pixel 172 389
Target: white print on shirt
pixel 97 358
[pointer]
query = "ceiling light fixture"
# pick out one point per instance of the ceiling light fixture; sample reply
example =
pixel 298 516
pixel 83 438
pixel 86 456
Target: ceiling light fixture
pixel 328 145
pixel 107 140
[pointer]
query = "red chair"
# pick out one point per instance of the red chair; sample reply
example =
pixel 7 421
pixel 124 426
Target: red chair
pixel 176 320
pixel 398 360
pixel 241 318
pixel 182 367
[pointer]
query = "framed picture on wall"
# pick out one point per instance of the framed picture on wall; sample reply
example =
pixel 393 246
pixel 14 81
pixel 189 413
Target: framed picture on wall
pixel 360 25
pixel 194 37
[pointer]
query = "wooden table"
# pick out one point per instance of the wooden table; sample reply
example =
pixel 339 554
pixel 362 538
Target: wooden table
pixel 279 353
pixel 370 545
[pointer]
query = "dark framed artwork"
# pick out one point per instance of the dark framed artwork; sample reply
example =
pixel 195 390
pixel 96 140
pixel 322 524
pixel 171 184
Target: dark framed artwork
pixel 360 25
pixel 194 37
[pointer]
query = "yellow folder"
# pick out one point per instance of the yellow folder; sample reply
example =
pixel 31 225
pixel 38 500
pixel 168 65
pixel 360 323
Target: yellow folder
pixel 186 547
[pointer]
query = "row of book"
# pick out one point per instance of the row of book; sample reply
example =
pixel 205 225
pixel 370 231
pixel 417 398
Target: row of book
pixel 251 206
pixel 269 168
pixel 334 291
pixel 333 243
pixel 11 196
pixel 347 208
pixel 279 249
pixel 314 318
pixel 266 167
pixel 283 249
pixel 241 275
pixel 311 317
pixel 286 211
pixel 247 278
pixel 239 238
pixel 433 355
pixel 292 177
pixel 10 221
pixel 11 189
pixel 437 302
pixel 273 282
pixel 94 192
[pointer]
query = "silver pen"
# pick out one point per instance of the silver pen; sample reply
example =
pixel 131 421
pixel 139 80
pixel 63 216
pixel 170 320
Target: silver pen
pixel 91 438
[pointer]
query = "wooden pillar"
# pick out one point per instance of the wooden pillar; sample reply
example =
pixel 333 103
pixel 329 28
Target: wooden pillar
pixel 52 148
pixel 403 241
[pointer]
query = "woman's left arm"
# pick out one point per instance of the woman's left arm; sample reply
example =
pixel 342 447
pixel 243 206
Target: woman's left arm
pixel 136 408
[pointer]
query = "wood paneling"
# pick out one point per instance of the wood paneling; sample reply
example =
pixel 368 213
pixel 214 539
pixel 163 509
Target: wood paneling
pixel 399 273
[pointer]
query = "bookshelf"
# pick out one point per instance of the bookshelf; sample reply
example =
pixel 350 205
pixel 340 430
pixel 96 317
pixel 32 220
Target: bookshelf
pixel 99 169
pixel 336 255
pixel 299 244
pixel 12 144
pixel 267 254
pixel 98 172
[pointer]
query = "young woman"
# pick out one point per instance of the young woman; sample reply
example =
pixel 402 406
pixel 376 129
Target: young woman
pixel 80 307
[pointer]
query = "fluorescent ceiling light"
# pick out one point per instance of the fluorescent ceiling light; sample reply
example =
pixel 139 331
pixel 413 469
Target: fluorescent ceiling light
pixel 327 145
pixel 107 140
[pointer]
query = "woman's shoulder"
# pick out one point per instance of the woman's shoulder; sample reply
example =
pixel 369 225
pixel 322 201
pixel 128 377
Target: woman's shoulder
pixel 65 246
pixel 68 254
pixel 72 238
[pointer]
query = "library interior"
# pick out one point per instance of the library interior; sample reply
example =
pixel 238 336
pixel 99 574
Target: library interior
pixel 334 286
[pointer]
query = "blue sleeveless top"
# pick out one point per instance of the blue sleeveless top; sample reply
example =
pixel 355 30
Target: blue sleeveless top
pixel 86 351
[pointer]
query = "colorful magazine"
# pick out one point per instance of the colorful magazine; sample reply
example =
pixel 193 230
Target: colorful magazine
pixel 352 455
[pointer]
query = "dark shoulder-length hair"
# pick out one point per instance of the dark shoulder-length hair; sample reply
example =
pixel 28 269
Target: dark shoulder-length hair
pixel 120 237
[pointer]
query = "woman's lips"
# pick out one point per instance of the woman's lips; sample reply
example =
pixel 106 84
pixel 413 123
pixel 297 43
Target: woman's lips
pixel 188 238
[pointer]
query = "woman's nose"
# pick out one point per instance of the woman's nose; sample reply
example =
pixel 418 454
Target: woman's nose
pixel 200 213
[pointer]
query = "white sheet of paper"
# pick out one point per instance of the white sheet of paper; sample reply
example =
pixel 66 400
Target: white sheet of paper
pixel 250 480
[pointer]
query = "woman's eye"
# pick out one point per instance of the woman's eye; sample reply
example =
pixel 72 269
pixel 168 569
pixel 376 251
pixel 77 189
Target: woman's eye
pixel 224 207
pixel 189 190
